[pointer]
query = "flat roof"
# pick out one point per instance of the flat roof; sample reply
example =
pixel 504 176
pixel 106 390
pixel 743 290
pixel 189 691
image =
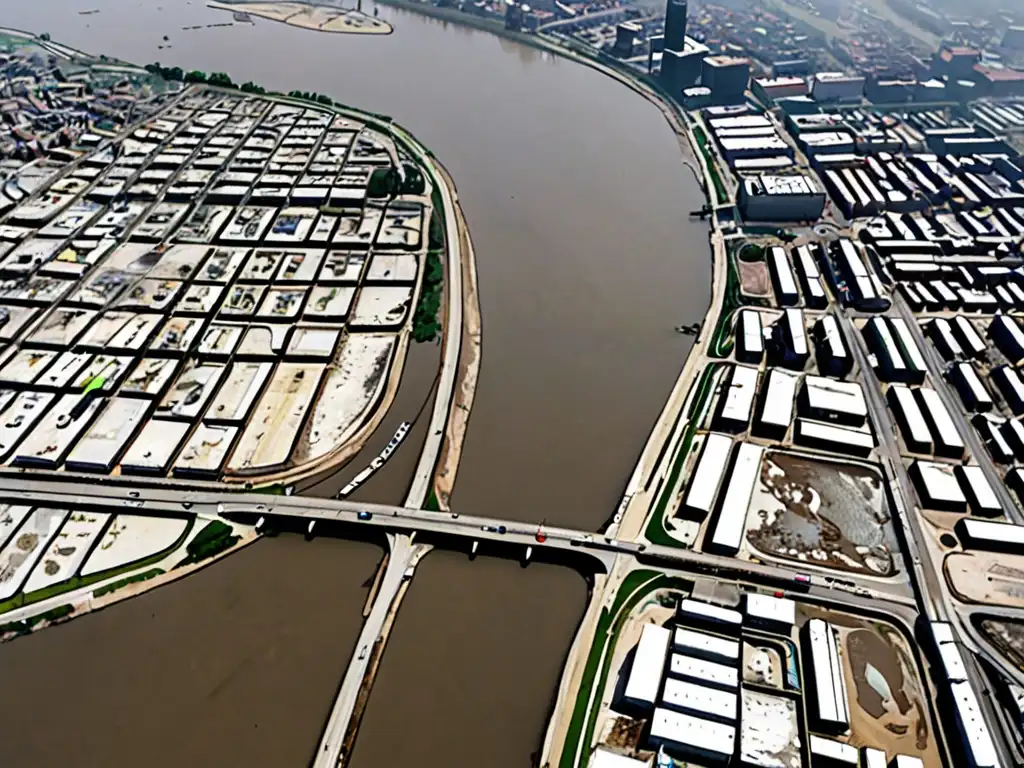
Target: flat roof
pixel 945 430
pixel 835 396
pixel 911 352
pixel 834 750
pixel 702 642
pixel 915 423
pixel 682 665
pixel 648 664
pixel 732 521
pixel 831 700
pixel 771 608
pixel 975 481
pixel 700 699
pixel 990 530
pixel 715 613
pixel 779 397
pixel 940 482
pixel 979 740
pixel 797 330
pixel 696 732
pixel 795 184
pixel 750 323
pixel 707 477
pixel 739 397
pixel 806 429
pixel 783 271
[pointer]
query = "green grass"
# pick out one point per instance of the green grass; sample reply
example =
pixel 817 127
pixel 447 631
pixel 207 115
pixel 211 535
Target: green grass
pixel 634 588
pixel 78 582
pixel 432 504
pixel 106 589
pixel 702 141
pixel 25 625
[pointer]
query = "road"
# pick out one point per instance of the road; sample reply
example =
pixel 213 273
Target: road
pixel 402 557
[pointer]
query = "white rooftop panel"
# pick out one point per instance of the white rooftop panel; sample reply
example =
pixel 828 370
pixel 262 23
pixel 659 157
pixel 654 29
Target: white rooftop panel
pixel 648 664
pixel 732 522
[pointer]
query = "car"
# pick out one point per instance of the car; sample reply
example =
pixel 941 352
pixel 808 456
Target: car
pixel 455 515
pixel 364 515
pixel 502 529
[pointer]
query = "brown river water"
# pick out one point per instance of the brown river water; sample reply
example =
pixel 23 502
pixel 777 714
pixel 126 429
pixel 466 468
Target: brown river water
pixel 577 201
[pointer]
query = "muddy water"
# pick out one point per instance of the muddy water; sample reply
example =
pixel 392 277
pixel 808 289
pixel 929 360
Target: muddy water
pixel 577 202
pixel 236 665
pixel 467 680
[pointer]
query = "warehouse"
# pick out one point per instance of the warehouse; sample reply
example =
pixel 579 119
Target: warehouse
pixel 775 410
pixel 916 367
pixel 945 294
pixel 1013 433
pixel 714 617
pixel 937 486
pixel 704 646
pixel 782 277
pixel 828 753
pixel 833 438
pixel 730 526
pixel 990 428
pixel 648 665
pixel 974 733
pixel 685 736
pixel 972 392
pixel 780 198
pixel 970 340
pixel 880 339
pixel 947 439
pixel 830 348
pixel 912 296
pixel 990 535
pixel 750 339
pixel 915 432
pixel 828 703
pixel 810 278
pixel 930 300
pixel 737 400
pixel 829 400
pixel 703 671
pixel 944 340
pixel 770 613
pixel 700 496
pixel 979 493
pixel 789 339
pixel 700 701
pixel 1007 335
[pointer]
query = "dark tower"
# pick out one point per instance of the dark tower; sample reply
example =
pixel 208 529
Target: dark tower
pixel 675 25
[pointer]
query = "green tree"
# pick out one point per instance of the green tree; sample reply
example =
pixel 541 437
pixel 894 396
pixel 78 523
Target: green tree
pixel 195 76
pixel 45 37
pixel 222 79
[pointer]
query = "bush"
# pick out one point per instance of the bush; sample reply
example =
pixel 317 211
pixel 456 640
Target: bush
pixel 425 326
pixel 752 252
pixel 212 540
pixel 133 579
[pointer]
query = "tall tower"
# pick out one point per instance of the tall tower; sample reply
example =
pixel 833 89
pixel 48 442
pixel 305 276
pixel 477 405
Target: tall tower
pixel 675 25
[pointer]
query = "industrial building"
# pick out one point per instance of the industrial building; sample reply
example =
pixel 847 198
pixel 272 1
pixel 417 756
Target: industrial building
pixel 750 337
pixel 833 438
pixel 648 667
pixel 770 613
pixel 703 671
pixel 810 278
pixel 730 524
pixel 775 409
pixel 831 353
pixel 836 86
pixel 714 617
pixel 937 486
pixel 700 700
pixel 980 496
pixel 829 753
pixel 828 702
pixel 990 535
pixel 789 340
pixel 776 198
pixel 947 439
pixel 942 336
pixel 720 650
pixel 968 336
pixel 685 736
pixel 836 401
pixel 707 477
pixel 916 366
pixel 972 392
pixel 882 342
pixel 1007 335
pixel 786 294
pixel 913 428
pixel 736 402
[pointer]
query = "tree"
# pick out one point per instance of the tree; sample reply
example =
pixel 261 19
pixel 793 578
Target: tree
pixel 195 76
pixel 251 87
pixel 221 79
pixel 45 37
pixel 321 99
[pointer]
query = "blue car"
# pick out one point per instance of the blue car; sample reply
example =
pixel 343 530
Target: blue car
pixel 364 516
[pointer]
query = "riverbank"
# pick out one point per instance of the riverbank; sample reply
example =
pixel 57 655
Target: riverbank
pixel 311 16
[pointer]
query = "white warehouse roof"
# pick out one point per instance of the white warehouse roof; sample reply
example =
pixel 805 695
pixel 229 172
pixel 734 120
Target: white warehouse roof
pixel 648 664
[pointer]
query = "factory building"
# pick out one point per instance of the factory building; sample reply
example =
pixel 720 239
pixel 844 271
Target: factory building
pixel 700 701
pixel 730 525
pixel 685 736
pixel 882 343
pixel 833 357
pixel 727 77
pixel 770 613
pixel 648 665
pixel 782 277
pixel 810 278
pixel 980 496
pixel 937 486
pixel 908 415
pixel 1012 431
pixel 769 89
pixel 941 332
pixel 737 400
pixel 835 86
pixel 829 753
pixel 775 410
pixel 703 671
pixel 750 338
pixel 969 338
pixel 707 477
pixel 990 536
pixel 947 439
pixel 1008 381
pixel 911 353
pixel 720 650
pixel 833 437
pixel 780 198
pixel 789 340
pixel 1007 335
pixel 828 702
pixel 972 392
pixel 828 400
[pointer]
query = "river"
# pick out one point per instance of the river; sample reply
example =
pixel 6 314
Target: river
pixel 577 201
